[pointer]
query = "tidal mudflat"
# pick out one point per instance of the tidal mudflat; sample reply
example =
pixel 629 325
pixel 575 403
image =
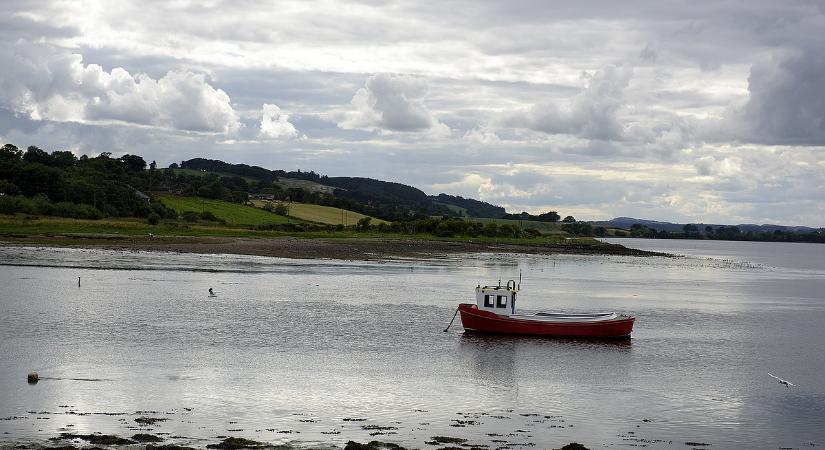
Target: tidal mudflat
pixel 317 353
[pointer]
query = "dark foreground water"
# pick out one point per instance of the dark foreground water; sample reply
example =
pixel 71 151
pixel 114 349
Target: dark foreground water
pixel 321 352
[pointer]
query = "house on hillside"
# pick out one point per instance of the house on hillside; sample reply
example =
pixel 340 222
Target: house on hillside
pixel 142 196
pixel 259 196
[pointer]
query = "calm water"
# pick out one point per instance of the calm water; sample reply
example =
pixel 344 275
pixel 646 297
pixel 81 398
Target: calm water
pixel 292 349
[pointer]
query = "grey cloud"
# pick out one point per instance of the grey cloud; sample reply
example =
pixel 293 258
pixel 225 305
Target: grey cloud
pixel 298 91
pixel 25 20
pixel 786 103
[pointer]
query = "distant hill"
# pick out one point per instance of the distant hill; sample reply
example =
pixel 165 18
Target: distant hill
pixel 242 170
pixel 376 192
pixel 470 207
pixel 377 198
pixel 59 183
pixel 627 222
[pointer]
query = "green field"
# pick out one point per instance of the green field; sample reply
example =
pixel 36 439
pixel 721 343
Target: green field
pixel 232 213
pixel 32 226
pixel 326 215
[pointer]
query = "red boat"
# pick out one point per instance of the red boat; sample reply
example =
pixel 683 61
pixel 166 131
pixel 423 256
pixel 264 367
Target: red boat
pixel 495 312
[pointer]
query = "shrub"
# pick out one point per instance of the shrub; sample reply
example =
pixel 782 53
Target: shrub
pixel 209 215
pixel 191 216
pixel 281 209
pixel 364 223
pixel 153 219
pixel 11 204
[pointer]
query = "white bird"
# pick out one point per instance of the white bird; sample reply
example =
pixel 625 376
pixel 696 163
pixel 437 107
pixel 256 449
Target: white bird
pixel 781 381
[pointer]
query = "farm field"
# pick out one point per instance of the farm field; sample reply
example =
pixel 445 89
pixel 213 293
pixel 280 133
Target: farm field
pixel 312 186
pixel 232 213
pixel 327 215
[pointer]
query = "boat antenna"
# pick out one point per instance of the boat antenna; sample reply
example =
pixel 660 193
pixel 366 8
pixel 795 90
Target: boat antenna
pixel 519 280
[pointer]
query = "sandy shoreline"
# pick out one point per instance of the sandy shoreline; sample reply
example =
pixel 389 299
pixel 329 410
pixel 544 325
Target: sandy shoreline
pixel 292 247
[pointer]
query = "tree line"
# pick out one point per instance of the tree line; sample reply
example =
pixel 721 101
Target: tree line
pixel 724 233
pixel 59 183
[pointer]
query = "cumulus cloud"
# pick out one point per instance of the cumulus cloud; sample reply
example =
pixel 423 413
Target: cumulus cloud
pixel 275 124
pixel 590 114
pixel 48 84
pixel 391 103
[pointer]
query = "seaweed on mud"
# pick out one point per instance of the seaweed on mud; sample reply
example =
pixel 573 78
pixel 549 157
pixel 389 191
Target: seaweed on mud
pixel 168 447
pixel 144 437
pixel 149 420
pixel 372 445
pixel 234 443
pixel 446 440
pixel 573 446
pixel 377 427
pixel 98 439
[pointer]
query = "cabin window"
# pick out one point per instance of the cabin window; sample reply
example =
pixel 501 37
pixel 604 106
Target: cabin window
pixel 502 301
pixel 489 301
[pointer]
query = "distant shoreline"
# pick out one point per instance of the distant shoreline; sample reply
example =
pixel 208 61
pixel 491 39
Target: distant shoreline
pixel 315 248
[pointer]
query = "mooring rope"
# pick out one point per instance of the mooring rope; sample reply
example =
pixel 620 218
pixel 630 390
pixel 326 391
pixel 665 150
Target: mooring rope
pixel 451 320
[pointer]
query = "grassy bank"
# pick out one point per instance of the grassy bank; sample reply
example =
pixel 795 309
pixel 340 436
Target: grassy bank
pixel 22 226
pixel 132 234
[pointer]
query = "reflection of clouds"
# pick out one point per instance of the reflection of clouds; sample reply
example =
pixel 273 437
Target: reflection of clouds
pixel 499 360
pixel 492 359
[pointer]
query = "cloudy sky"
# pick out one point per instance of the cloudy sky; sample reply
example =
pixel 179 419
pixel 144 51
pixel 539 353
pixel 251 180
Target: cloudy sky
pixel 683 111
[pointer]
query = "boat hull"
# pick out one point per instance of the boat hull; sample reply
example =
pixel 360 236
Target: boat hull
pixel 474 319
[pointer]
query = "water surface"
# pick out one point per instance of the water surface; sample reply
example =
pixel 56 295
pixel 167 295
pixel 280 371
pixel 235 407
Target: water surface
pixel 313 351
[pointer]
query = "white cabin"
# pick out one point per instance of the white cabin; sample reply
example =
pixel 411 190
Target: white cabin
pixel 499 299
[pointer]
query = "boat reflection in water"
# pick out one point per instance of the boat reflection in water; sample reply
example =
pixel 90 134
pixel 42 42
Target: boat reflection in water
pixel 524 371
